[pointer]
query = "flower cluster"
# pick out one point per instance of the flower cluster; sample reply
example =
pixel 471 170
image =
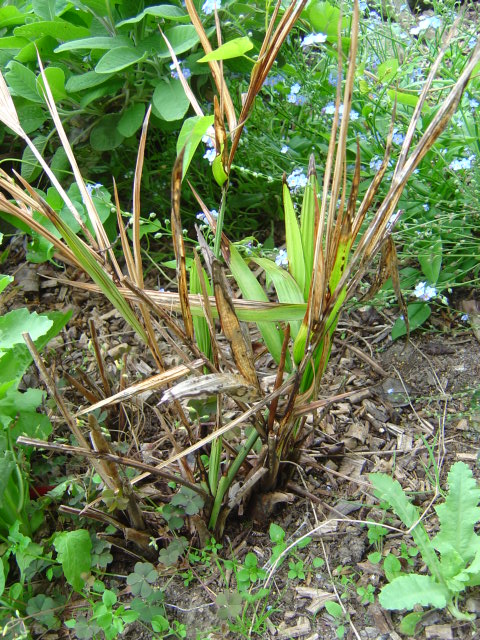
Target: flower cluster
pixel 462 163
pixel 329 110
pixel 185 70
pixel 313 39
pixel 433 22
pixel 209 140
pixel 294 96
pixel 424 292
pixel 209 6
pixel 297 180
pixel 203 218
pixel 282 259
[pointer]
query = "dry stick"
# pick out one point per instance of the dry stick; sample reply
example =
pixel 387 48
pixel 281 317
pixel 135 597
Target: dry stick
pixel 111 457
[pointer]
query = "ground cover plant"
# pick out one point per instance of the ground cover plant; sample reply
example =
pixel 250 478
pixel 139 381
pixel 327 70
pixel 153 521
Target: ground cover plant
pixel 342 226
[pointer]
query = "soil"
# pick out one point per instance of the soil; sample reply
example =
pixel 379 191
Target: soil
pixel 409 414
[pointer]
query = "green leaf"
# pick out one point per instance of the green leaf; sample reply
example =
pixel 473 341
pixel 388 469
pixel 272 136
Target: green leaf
pixel 229 604
pixel 324 18
pixel 98 42
pixel 459 514
pixel 131 119
pixel 109 598
pixel 169 101
pixel 387 70
pixel 105 135
pixel 181 37
pixel 430 260
pixel 56 81
pixel 30 165
pixel 409 623
pixel 218 171
pixel 86 81
pixel 19 321
pixel 296 260
pixel 191 134
pixel 2 577
pixel 159 623
pixel 407 99
pixel 418 313
pixel 307 230
pixel 4 282
pixel 119 58
pixel 164 11
pixel 44 9
pixel 233 49
pixel 252 290
pixel 407 591
pixel 58 29
pixel 31 117
pixel 276 533
pixel 10 16
pixel 13 43
pixel 334 609
pixel 73 552
pixel 139 582
pixel 22 81
pixel 285 286
pixel 191 502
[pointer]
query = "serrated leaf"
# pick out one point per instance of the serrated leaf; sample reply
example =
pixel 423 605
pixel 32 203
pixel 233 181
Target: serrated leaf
pixel 169 101
pixel 118 59
pixel 232 49
pixel 459 514
pixel 407 591
pixel 73 552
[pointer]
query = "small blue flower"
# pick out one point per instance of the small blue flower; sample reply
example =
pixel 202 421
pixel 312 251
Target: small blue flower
pixel 284 149
pixel 332 79
pixel 424 292
pixel 297 180
pixel 464 318
pixel 398 137
pixel 433 22
pixel 472 42
pixel 210 155
pixel 376 163
pixel 462 163
pixel 362 5
pixel 313 39
pixel 426 207
pixel 185 70
pixel 273 80
pixel 93 188
pixel 203 218
pixel 295 88
pixel 282 259
pixel 329 109
pixel 209 5
pixel 473 103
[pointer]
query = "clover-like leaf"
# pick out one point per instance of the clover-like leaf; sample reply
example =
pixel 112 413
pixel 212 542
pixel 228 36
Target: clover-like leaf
pixel 229 604
pixel 191 502
pixel 170 555
pixel 140 580
pixel 42 609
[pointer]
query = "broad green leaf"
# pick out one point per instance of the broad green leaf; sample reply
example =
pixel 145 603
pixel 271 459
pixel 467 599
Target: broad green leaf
pixel 191 134
pixel 31 117
pixel 58 29
pixel 285 286
pixel 459 514
pixel 418 313
pixel 334 609
pixel 409 623
pixel 44 9
pixel 30 166
pixel 165 11
pixel 430 260
pixel 86 81
pixel 22 81
pixel 56 82
pixel 13 42
pixel 11 16
pixel 181 37
pixel 387 70
pixel 119 58
pixel 98 42
pixel 73 552
pixel 105 135
pixel 218 171
pixel 252 290
pixel 407 591
pixel 296 260
pixel 233 49
pixel 169 101
pixel 131 119
pixel 324 18
pixel 407 99
pixel 4 280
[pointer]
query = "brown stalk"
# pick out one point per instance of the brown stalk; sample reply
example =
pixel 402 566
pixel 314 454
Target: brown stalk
pixel 86 393
pixel 179 246
pixel 272 412
pixel 127 253
pixel 99 357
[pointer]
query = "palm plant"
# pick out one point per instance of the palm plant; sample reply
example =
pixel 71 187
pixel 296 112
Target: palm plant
pixel 329 250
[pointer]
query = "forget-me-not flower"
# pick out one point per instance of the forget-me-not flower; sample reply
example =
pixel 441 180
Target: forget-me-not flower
pixel 203 218
pixel 314 38
pixel 209 5
pixel 433 22
pixel 297 180
pixel 284 149
pixel 424 291
pixel 210 155
pixel 282 259
pixel 185 70
pixel 462 163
